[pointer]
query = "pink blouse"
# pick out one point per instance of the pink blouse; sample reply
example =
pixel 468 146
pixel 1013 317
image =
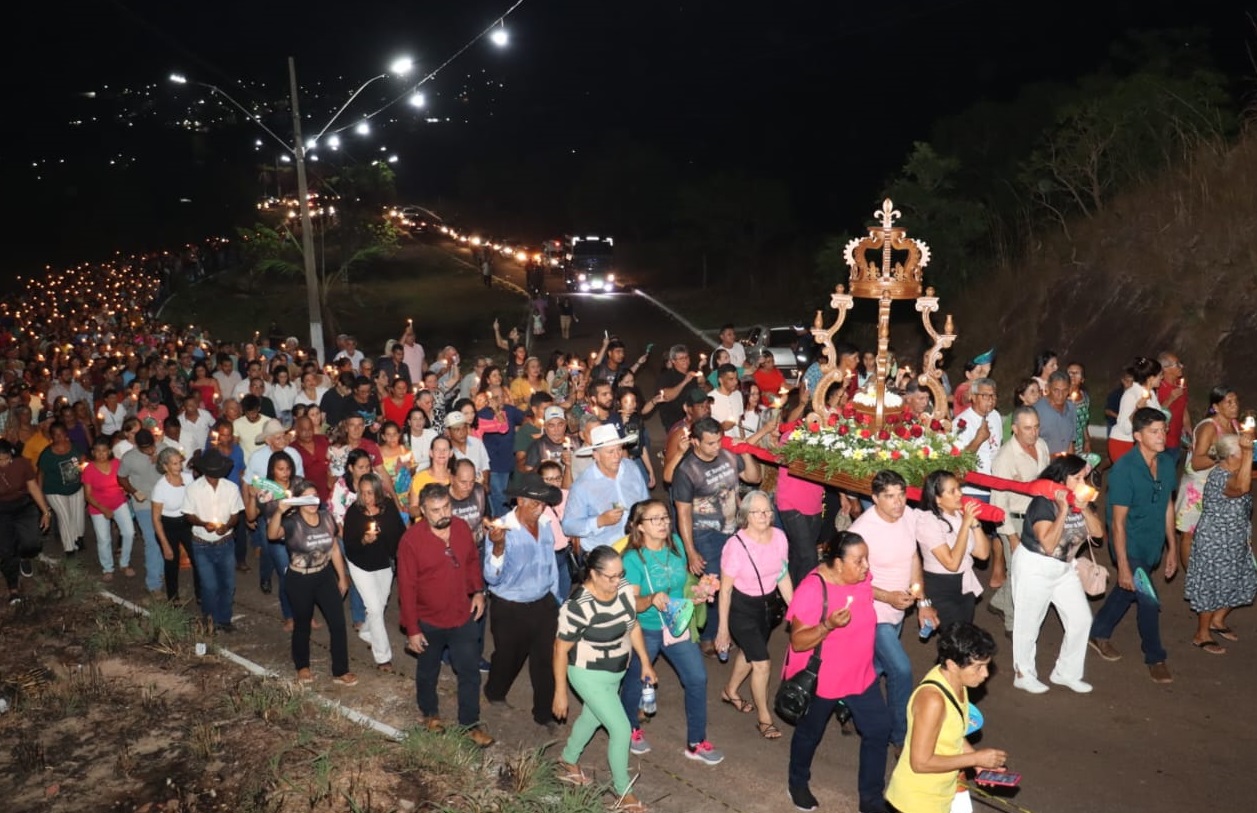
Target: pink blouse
pixel 106 489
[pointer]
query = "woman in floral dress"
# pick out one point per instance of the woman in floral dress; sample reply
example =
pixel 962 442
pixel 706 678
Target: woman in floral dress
pixel 1224 409
pixel 1223 573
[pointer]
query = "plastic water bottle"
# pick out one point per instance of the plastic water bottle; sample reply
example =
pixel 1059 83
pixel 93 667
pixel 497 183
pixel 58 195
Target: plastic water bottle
pixel 723 655
pixel 927 629
pixel 648 704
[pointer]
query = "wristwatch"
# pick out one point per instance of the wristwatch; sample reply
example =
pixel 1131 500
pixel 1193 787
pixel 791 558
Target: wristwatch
pixel 924 602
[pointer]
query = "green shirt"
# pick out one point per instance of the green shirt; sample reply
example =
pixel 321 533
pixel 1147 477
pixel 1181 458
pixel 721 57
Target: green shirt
pixel 1131 484
pixel 654 572
pixel 63 473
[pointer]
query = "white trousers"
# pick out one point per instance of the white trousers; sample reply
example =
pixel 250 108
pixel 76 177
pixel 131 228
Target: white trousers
pixel 374 586
pixel 104 540
pixel 71 517
pixel 1038 581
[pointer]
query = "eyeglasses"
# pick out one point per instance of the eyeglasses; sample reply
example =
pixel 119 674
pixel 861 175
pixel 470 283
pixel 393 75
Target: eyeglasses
pixel 614 576
pixel 453 558
pixel 1156 491
pixel 664 519
pixel 766 512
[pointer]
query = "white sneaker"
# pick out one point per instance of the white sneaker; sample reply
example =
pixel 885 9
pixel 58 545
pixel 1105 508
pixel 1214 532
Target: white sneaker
pixel 1080 686
pixel 1030 684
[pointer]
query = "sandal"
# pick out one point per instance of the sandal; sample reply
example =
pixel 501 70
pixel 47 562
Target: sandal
pixel 305 676
pixel 385 667
pixel 744 706
pixel 768 731
pixel 1225 633
pixel 347 679
pixel 1210 647
pixel 572 775
pixel 630 804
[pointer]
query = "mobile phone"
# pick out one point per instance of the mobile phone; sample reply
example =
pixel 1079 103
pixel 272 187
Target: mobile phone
pixel 649 346
pixel 1006 779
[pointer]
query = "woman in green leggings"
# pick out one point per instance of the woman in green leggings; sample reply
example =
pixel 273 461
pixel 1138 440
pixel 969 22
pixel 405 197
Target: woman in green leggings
pixel 597 627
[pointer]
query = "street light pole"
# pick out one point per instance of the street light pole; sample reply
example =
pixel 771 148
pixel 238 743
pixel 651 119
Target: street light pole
pixel 313 301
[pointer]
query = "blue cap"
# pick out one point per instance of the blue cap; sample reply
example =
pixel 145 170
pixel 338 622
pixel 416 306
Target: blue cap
pixel 985 358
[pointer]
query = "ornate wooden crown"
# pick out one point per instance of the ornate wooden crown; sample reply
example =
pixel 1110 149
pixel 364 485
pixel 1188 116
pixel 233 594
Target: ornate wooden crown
pixel 887 262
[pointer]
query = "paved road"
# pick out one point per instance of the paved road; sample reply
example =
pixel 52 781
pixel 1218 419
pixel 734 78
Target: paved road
pixel 1129 746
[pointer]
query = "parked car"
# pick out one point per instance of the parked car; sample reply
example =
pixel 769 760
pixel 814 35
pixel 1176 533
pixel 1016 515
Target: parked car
pixel 792 346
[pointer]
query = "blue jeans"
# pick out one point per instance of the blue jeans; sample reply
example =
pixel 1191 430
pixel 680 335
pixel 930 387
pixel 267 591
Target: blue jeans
pixel 687 661
pixel 154 564
pixel 1147 617
pixel 565 575
pixel 497 492
pixel 216 570
pixel 357 607
pixel 710 544
pixel 273 559
pixel 890 660
pixel 869 713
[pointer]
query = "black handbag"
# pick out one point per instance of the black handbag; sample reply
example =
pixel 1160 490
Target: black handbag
pixel 774 602
pixel 795 693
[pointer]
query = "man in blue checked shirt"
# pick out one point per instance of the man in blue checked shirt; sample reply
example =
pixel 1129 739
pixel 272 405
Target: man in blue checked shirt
pixel 598 503
pixel 523 581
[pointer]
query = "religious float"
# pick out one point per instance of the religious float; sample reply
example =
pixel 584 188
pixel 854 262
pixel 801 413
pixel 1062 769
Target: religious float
pixel 873 430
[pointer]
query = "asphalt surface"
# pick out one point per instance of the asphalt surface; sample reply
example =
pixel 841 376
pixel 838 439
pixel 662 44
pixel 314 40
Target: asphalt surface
pixel 1131 745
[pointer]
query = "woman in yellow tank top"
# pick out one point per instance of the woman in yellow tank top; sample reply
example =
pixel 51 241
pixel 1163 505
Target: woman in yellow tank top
pixel 924 779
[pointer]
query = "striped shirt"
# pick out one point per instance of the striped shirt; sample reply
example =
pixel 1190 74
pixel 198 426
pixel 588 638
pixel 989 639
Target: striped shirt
pixel 599 630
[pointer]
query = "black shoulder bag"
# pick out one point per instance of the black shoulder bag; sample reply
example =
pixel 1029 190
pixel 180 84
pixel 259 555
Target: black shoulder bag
pixel 774 602
pixel 794 695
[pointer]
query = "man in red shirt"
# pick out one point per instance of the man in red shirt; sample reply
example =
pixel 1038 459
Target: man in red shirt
pixel 1172 395
pixel 441 591
pixel 313 450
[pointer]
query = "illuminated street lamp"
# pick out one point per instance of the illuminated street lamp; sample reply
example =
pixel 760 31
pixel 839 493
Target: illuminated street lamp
pixel 499 37
pixel 418 100
pixel 363 128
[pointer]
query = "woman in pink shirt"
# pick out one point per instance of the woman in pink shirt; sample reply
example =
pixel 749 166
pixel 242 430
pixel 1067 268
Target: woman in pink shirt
pixel 832 609
pixel 950 538
pixel 106 503
pixel 753 567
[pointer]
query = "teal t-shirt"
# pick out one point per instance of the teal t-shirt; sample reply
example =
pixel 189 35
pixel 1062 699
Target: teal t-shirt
pixel 655 571
pixel 62 472
pixel 1131 484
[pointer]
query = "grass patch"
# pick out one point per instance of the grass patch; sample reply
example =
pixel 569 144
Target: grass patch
pixel 444 297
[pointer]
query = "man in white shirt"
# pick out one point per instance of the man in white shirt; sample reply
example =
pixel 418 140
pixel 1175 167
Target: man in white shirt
pixel 194 425
pixel 351 352
pixel 248 427
pixel 467 447
pixel 726 401
pixel 69 389
pixel 1022 459
pixel 980 429
pixel 226 376
pixel 273 438
pixel 213 506
pixel 737 350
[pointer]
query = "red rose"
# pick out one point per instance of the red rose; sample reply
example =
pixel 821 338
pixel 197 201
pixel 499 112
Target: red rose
pixel 955 451
pixel 844 429
pixel 832 420
pixel 892 418
pixel 960 424
pixel 936 426
pixel 895 455
pixel 813 427
pixel 863 419
pixel 848 410
pixel 866 433
pixel 902 431
pixel 882 434
pixel 917 431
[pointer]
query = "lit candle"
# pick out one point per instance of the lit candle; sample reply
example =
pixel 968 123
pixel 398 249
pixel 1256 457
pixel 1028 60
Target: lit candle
pixel 373 527
pixel 915 589
pixel 1249 424
pixel 1085 493
pixel 849 600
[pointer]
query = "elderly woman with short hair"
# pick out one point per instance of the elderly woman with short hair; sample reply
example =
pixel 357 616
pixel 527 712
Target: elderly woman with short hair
pixel 753 567
pixel 1221 575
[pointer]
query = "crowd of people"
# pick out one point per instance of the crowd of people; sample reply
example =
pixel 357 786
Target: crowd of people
pixel 522 496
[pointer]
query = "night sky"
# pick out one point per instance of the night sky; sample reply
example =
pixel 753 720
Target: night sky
pixel 827 96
